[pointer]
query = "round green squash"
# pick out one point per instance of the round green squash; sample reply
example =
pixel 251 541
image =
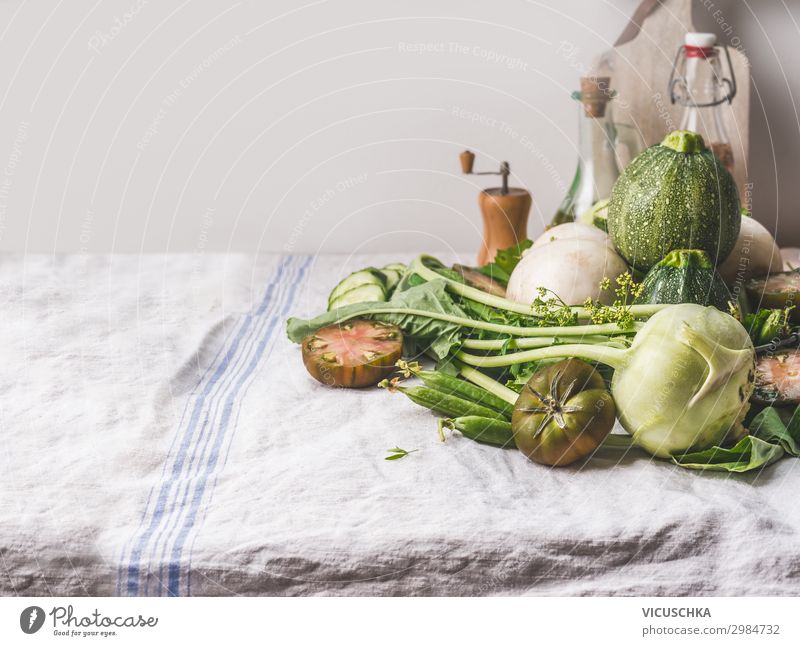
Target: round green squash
pixel 685 276
pixel 675 195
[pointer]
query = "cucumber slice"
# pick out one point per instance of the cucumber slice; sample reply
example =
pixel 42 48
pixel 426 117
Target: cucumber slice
pixel 359 278
pixel 393 276
pixel 361 294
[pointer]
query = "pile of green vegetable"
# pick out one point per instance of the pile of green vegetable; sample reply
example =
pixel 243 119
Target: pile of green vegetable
pixel 690 365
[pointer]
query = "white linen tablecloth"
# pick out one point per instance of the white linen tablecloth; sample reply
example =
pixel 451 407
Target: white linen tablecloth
pixel 161 437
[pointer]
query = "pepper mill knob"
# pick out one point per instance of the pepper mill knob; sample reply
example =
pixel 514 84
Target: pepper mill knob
pixel 467 159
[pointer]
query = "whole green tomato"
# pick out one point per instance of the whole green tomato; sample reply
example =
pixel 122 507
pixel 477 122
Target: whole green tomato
pixel 563 413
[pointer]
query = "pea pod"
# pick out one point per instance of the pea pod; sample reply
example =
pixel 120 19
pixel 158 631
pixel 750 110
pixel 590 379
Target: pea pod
pixel 482 429
pixel 445 404
pixel 450 385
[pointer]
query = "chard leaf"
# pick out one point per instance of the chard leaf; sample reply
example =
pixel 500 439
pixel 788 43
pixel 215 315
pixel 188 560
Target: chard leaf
pixel 748 454
pixel 428 333
pixel 781 428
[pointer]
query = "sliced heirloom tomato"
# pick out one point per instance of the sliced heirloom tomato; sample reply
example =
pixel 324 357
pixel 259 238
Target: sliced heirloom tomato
pixel 778 379
pixel 354 354
pixel 563 413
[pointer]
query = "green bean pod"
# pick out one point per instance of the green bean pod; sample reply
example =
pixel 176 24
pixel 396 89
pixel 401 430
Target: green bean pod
pixel 449 405
pixel 451 385
pixel 483 429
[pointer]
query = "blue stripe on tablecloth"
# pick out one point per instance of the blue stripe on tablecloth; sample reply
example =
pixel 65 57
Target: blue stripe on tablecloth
pixel 221 422
pixel 209 387
pixel 219 380
pixel 206 386
pixel 165 537
pixel 238 392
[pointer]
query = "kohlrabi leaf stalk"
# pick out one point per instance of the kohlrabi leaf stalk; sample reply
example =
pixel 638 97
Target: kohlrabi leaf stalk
pixel 371 309
pixel 525 343
pixel 613 357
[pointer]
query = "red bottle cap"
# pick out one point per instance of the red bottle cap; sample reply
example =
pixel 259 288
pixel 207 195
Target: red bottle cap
pixel 699 44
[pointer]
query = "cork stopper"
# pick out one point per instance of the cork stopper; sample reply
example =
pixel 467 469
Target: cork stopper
pixel 595 93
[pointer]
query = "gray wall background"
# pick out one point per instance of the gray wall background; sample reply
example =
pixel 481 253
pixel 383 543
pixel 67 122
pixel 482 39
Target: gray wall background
pixel 323 125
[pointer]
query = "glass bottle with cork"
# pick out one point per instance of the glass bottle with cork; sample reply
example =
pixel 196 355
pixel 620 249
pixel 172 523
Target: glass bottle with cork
pixel 598 167
pixel 698 84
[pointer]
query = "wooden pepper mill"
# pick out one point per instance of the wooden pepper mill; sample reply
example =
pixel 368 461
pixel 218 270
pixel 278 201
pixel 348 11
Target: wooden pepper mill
pixel 504 210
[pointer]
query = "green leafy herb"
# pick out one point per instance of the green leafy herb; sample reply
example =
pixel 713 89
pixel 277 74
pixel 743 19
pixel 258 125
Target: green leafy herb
pixel 505 260
pixel 489 314
pixel 398 454
pixel 520 373
pixel 495 273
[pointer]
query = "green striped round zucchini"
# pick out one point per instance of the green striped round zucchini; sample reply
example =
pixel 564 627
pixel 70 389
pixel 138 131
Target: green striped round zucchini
pixel 675 195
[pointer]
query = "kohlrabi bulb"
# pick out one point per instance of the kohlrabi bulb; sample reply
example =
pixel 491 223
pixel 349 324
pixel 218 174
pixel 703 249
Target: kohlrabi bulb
pixel 686 380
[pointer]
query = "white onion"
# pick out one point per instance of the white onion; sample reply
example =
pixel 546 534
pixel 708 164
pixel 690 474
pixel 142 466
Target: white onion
pixel 755 254
pixel 571 230
pixel 572 268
